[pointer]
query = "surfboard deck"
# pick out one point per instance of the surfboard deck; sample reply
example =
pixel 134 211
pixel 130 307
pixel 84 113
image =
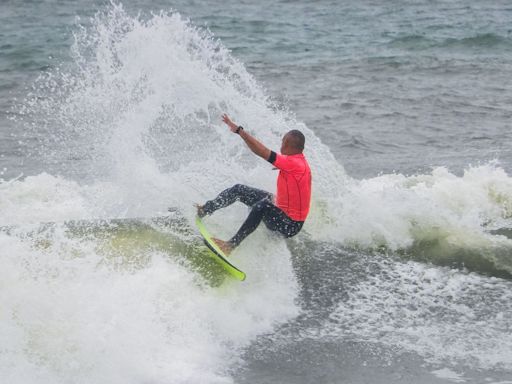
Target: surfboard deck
pixel 217 253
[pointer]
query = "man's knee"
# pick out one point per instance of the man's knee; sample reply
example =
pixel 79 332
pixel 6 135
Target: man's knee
pixel 238 188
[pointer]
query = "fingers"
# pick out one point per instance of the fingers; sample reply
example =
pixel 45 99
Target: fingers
pixel 227 120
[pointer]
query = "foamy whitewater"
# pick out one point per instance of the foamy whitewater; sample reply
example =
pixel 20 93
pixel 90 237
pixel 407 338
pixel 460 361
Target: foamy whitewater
pixel 413 269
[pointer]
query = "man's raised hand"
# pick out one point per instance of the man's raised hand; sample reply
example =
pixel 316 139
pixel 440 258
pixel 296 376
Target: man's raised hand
pixel 231 125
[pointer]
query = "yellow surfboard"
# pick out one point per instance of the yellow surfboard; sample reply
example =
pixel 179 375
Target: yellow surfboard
pixel 217 254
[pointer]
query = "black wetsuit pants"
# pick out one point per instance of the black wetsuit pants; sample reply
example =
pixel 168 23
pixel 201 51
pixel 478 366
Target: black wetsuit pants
pixel 262 208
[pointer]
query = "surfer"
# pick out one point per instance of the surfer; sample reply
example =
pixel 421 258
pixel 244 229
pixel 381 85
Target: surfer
pixel 286 211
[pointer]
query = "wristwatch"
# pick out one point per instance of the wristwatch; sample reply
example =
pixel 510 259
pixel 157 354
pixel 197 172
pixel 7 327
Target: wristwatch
pixel 240 128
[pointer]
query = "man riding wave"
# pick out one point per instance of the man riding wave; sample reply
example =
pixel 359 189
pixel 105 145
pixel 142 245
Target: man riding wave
pixel 287 210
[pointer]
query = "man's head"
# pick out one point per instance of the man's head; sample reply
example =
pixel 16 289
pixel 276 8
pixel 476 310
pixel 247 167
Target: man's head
pixel 293 143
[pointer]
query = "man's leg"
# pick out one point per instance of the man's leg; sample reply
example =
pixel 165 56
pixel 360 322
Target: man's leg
pixel 251 223
pixel 273 217
pixel 247 195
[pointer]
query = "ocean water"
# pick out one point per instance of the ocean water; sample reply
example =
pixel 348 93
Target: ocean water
pixel 111 114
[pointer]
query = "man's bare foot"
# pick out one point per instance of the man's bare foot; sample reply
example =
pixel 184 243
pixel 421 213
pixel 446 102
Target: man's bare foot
pixel 200 210
pixel 225 246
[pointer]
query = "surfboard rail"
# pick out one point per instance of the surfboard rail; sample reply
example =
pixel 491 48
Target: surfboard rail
pixel 217 254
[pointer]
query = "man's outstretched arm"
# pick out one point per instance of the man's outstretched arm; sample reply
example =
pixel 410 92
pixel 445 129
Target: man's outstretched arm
pixel 253 144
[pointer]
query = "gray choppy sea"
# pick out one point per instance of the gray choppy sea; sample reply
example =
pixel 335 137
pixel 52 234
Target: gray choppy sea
pixel 394 86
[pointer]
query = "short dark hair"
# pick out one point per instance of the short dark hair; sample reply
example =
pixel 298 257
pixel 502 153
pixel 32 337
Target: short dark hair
pixel 297 139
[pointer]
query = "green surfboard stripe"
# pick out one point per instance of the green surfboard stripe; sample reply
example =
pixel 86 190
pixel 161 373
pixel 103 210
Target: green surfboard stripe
pixel 217 253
